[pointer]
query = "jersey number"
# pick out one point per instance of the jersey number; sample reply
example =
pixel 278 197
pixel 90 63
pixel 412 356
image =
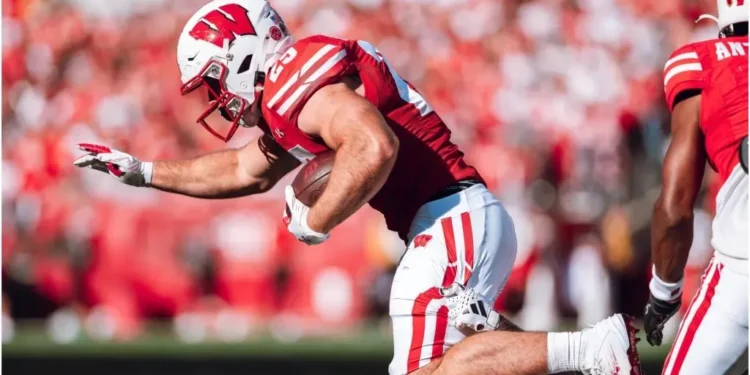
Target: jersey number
pixel 217 26
pixel 288 56
pixel 405 91
pixel 738 3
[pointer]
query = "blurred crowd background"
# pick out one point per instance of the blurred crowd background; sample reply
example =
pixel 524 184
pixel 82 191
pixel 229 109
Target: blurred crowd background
pixel 559 103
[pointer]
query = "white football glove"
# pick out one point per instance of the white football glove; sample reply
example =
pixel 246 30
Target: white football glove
pixel 122 166
pixel 295 218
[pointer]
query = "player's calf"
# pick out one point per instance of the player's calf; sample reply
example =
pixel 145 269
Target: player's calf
pixel 606 348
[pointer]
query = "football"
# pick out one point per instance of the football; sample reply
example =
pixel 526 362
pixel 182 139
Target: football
pixel 312 179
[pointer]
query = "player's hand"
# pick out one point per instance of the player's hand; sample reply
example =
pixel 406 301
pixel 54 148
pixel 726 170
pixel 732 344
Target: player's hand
pixel 656 315
pixel 120 165
pixel 295 219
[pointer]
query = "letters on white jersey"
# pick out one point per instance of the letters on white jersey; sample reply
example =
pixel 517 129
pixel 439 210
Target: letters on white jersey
pixel 730 49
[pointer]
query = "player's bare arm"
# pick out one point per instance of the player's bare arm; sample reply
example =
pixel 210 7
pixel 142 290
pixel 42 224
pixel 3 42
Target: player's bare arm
pixel 366 150
pixel 672 231
pixel 684 163
pixel 252 169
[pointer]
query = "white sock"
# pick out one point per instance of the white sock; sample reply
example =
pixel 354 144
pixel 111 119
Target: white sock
pixel 564 352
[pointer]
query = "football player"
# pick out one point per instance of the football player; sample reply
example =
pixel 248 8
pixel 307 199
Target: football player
pixel 706 89
pixel 392 151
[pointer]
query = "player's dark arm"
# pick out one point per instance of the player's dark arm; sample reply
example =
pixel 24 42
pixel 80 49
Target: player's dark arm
pixel 230 173
pixel 366 150
pixel 682 174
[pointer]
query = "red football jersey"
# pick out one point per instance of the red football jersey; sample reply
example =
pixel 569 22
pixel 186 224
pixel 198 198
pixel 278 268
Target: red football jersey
pixel 718 68
pixel 427 161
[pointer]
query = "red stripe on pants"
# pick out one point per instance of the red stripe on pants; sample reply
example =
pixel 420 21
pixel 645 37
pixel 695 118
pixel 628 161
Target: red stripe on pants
pixel 690 327
pixel 438 345
pixel 423 300
pixel 468 245
pixel 450 244
pixel 418 315
pixel 683 323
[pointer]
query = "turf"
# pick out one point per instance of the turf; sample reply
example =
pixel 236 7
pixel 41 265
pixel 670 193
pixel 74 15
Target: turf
pixel 368 343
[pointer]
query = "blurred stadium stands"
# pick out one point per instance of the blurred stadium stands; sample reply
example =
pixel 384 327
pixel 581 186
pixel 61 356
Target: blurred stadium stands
pixel 559 103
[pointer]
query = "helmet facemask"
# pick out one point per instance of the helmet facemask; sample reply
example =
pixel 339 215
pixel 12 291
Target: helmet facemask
pixel 232 107
pixel 735 29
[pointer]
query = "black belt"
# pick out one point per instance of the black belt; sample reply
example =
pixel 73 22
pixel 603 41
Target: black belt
pixel 453 189
pixel 743 153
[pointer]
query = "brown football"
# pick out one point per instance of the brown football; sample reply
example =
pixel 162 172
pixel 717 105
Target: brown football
pixel 312 179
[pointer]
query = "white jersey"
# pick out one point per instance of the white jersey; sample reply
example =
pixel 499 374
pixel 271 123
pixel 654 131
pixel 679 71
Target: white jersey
pixel 730 230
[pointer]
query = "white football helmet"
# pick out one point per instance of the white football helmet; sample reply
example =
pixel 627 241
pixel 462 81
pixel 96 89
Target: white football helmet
pixel 228 46
pixel 730 12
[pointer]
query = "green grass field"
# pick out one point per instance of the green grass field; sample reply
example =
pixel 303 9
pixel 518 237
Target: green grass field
pixel 366 352
pixel 368 343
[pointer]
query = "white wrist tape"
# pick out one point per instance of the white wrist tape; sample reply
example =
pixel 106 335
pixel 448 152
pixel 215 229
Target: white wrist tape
pixel 663 290
pixel 148 171
pixel 311 231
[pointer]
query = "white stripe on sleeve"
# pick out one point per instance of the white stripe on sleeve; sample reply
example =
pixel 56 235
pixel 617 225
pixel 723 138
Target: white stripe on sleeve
pixel 327 66
pixel 314 76
pixel 294 77
pixel 694 67
pixel 309 64
pixel 680 57
pixel 293 98
pixel 279 94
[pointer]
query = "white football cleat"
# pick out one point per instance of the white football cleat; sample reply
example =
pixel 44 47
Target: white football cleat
pixel 610 347
pixel 467 310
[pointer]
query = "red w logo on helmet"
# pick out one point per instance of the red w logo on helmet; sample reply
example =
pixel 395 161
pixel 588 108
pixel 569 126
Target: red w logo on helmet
pixel 227 22
pixel 739 2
